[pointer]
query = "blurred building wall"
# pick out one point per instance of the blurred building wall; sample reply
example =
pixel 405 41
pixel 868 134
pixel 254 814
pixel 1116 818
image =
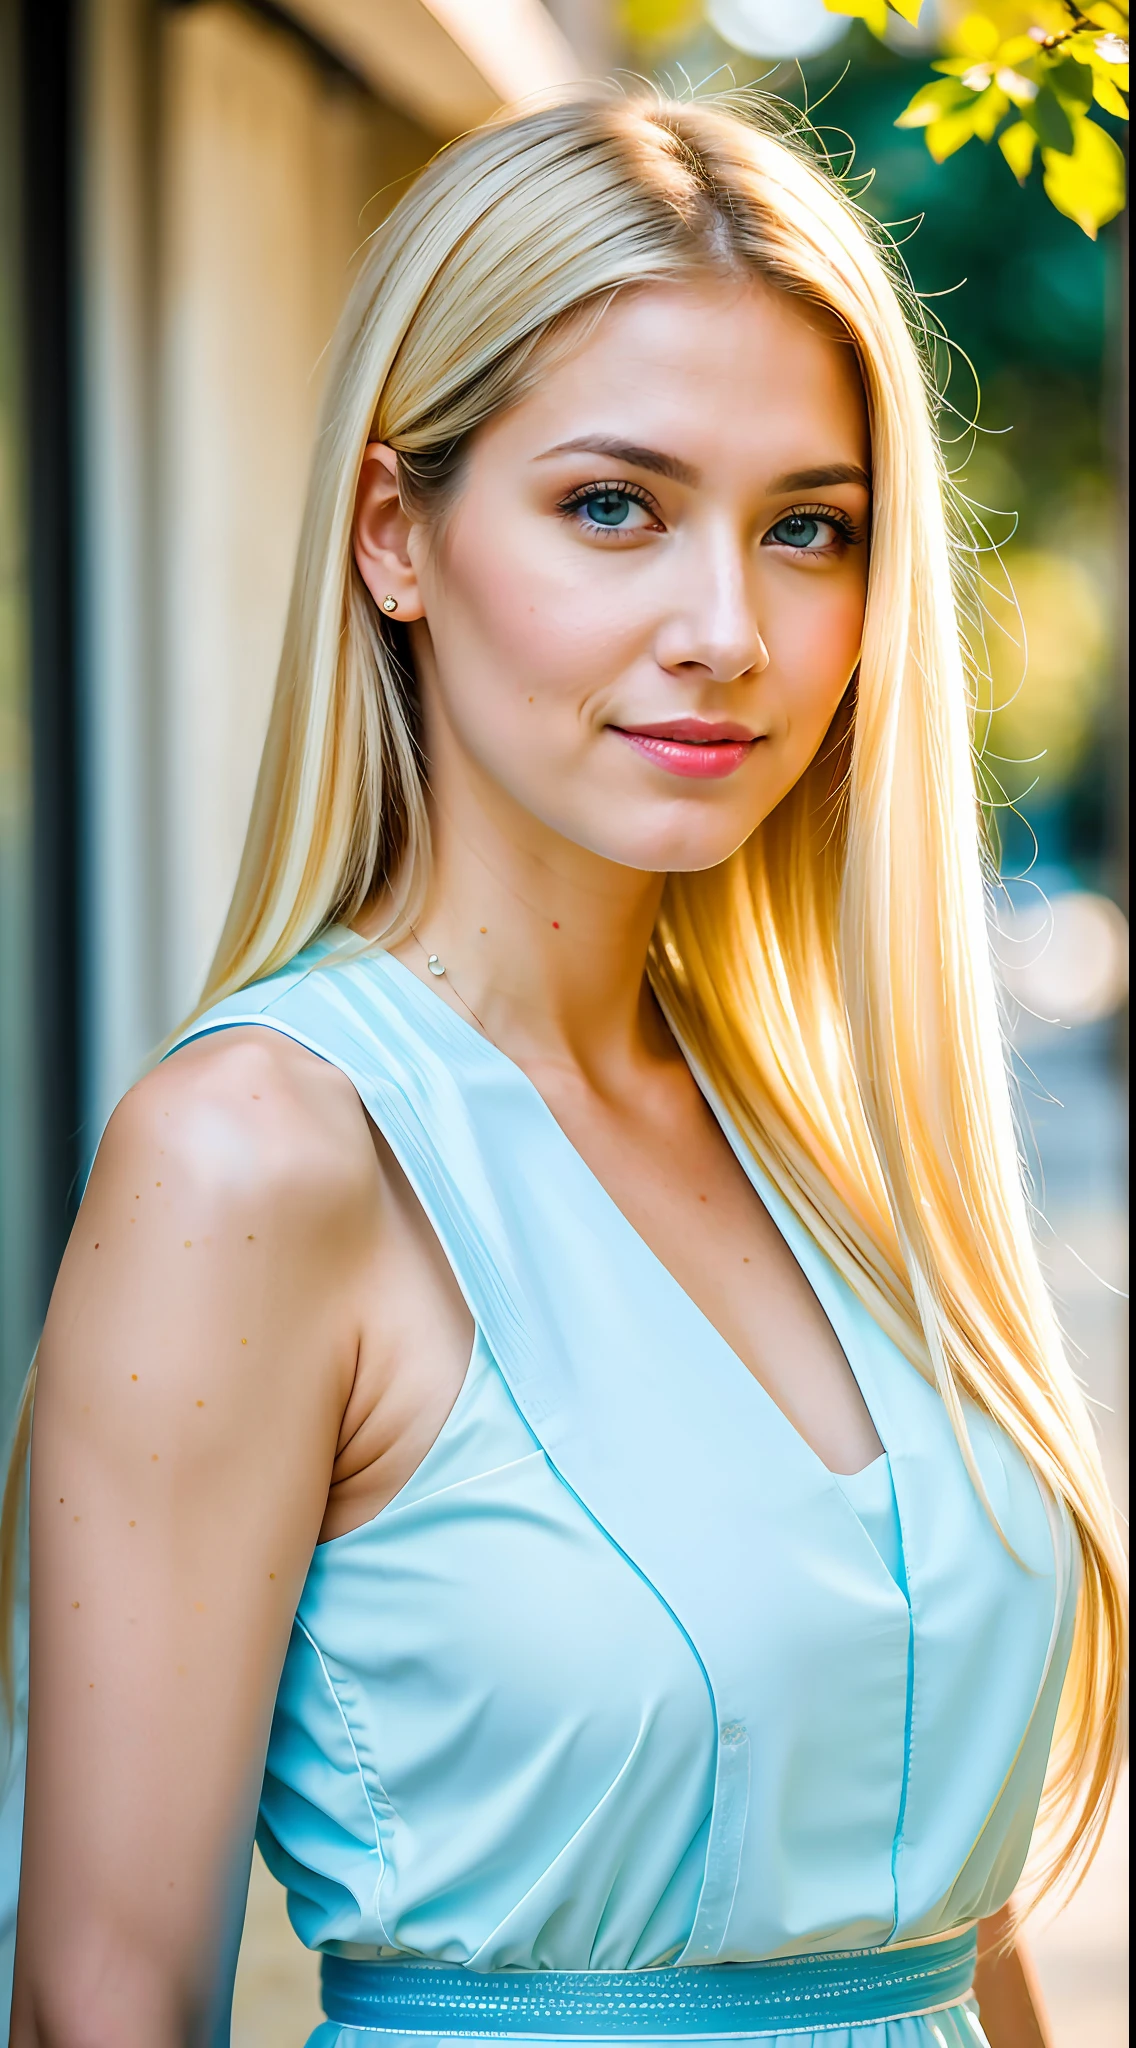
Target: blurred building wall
pixel 167 295
pixel 218 255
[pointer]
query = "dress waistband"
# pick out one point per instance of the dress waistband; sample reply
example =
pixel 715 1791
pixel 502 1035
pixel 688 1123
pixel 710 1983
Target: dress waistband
pixel 792 1994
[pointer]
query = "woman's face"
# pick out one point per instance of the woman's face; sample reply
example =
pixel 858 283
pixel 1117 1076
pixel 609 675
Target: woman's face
pixel 640 613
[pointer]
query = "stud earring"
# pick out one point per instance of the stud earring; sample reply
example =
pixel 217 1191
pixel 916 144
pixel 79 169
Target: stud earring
pixel 390 604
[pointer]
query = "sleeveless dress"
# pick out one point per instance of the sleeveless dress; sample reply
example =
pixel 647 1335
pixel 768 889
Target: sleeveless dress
pixel 625 1679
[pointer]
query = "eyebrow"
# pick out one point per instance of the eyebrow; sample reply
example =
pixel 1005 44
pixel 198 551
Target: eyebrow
pixel 679 472
pixel 815 479
pixel 635 457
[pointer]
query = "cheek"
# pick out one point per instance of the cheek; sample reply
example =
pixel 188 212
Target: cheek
pixel 814 643
pixel 523 618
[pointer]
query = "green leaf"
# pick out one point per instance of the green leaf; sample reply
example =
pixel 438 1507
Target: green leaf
pixel 1088 183
pixel 1050 122
pixel 942 96
pixel 1072 82
pixel 1017 145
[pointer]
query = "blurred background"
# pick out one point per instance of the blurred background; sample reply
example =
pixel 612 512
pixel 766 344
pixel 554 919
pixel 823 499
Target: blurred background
pixel 184 189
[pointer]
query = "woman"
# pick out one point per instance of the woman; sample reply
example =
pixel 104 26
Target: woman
pixel 555 1360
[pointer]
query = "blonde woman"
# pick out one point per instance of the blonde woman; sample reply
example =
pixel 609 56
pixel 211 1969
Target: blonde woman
pixel 551 1375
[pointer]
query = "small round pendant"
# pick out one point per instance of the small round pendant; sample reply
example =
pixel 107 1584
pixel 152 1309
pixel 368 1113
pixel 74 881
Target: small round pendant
pixel 435 965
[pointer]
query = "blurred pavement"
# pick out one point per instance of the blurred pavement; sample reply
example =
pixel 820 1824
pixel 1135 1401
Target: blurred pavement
pixel 1076 1105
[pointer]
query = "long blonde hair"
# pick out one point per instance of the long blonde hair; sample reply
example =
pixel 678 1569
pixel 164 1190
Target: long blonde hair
pixel 833 977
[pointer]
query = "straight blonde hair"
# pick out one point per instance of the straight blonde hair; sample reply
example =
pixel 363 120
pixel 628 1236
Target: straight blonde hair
pixel 833 977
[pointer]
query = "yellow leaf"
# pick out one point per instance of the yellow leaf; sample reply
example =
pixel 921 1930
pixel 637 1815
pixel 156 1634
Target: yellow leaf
pixel 1107 96
pixel 945 136
pixel 908 10
pixel 933 102
pixel 1108 17
pixel 1017 145
pixel 873 12
pixel 1021 90
pixel 657 20
pixel 1017 50
pixel 976 36
pixel 1088 184
pixel 987 112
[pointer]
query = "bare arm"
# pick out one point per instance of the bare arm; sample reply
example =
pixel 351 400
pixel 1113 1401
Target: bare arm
pixel 1009 2000
pixel 197 1359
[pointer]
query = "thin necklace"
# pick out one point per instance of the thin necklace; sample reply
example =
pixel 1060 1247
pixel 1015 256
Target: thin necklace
pixel 437 968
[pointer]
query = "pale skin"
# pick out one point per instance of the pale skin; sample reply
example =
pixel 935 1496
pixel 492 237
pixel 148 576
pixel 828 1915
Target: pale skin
pixel 255 1336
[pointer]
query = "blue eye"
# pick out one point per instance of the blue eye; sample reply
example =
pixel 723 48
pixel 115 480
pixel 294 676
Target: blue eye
pixel 615 508
pixel 606 508
pixel 798 530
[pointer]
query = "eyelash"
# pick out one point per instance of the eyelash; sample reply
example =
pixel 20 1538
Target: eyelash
pixel 615 488
pixel 848 533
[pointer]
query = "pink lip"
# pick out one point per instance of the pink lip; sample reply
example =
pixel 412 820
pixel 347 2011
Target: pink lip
pixel 703 749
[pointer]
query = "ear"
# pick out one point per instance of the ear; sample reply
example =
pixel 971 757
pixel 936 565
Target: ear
pixel 382 532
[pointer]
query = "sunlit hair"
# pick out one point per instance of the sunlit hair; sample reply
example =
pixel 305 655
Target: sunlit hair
pixel 833 977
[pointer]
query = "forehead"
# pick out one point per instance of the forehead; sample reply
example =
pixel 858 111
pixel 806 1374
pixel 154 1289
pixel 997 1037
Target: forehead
pixel 725 376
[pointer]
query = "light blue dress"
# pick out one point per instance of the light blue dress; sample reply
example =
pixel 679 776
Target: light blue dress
pixel 624 1677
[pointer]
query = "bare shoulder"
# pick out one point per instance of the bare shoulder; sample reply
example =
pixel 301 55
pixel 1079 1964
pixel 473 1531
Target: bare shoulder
pixel 232 1211
pixel 241 1116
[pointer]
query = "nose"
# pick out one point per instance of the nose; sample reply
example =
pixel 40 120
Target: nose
pixel 711 627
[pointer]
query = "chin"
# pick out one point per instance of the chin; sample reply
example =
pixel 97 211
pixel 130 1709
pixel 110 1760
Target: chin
pixel 671 846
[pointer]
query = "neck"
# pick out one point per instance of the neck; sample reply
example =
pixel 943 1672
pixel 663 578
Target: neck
pixel 543 942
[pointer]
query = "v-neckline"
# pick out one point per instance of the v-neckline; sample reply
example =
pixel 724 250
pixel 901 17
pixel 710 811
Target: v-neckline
pixel 468 1035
